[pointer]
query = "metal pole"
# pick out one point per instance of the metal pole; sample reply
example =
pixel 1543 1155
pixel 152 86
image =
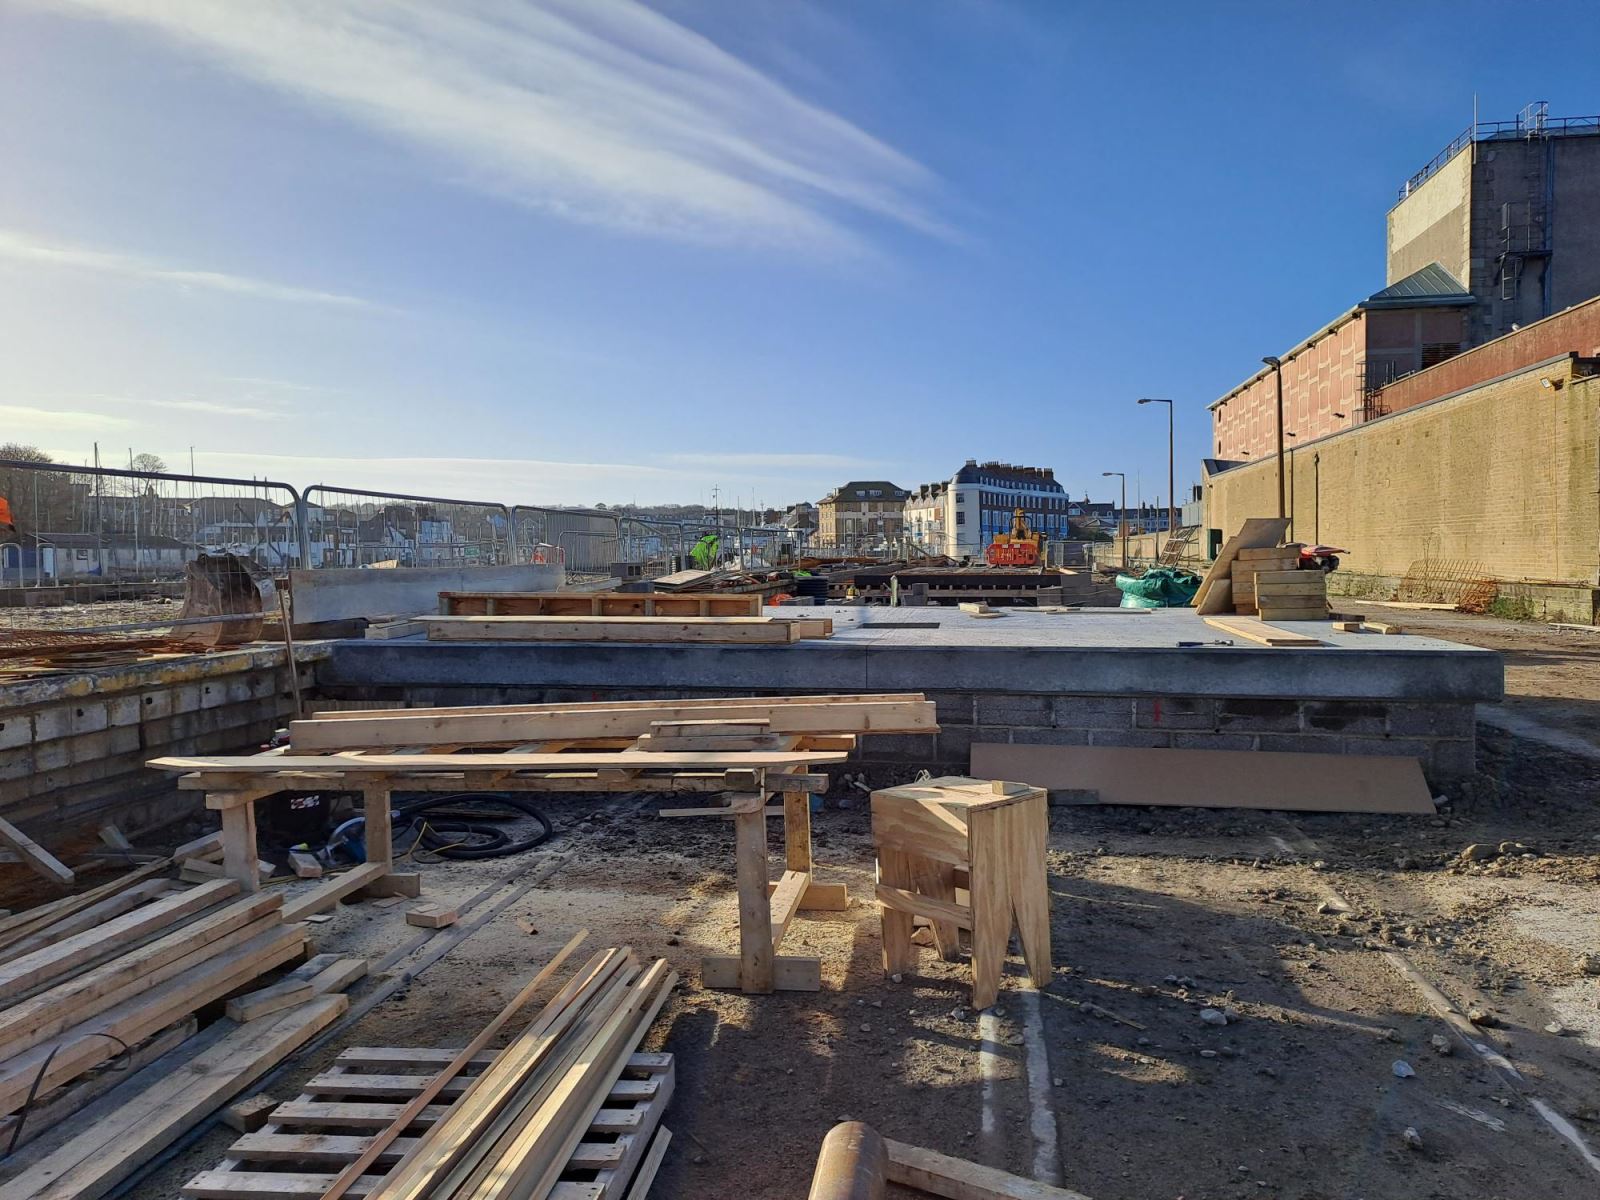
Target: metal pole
pixel 1277 370
pixel 1172 495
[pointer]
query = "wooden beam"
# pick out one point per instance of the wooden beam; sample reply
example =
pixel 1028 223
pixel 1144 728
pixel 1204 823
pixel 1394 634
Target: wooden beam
pixel 326 895
pixel 958 1179
pixel 402 764
pixel 1255 533
pixel 784 902
pixel 790 973
pixel 518 723
pixel 1253 629
pixel 94 1162
pixel 40 860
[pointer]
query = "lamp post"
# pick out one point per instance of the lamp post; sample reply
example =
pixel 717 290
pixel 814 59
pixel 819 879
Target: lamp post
pixel 1277 369
pixel 1289 433
pixel 1172 496
pixel 1122 514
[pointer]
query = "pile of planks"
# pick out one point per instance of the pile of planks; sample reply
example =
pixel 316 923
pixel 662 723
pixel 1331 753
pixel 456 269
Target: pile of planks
pixel 744 630
pixel 515 1123
pixel 94 984
pixel 1271 561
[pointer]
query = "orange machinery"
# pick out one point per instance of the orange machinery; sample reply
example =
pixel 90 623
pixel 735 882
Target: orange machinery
pixel 1022 547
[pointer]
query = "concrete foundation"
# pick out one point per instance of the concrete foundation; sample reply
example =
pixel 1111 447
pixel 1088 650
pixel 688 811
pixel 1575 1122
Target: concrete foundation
pixel 1095 677
pixel 73 747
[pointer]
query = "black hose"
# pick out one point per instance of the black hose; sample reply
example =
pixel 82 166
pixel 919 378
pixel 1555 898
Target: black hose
pixel 461 824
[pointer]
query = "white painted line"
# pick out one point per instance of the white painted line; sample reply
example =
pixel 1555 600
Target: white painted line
pixel 1042 1113
pixel 1446 1010
pixel 989 1072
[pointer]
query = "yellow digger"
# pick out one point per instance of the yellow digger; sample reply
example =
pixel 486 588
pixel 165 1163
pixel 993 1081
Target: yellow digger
pixel 1022 547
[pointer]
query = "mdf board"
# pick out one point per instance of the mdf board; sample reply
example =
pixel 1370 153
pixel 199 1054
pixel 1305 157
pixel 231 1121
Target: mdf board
pixel 1216 778
pixel 1255 534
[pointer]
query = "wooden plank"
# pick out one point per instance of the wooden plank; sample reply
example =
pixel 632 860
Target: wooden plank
pixel 1256 630
pixel 1266 779
pixel 89 918
pixel 790 972
pixel 432 916
pixel 305 866
pixel 661 707
pixel 1280 613
pixel 514 723
pixel 101 1038
pixel 784 902
pixel 94 1162
pixel 403 764
pixel 249 1114
pixel 604 604
pixel 275 997
pixel 425 1096
pixel 329 893
pixel 58 1008
pixel 50 962
pixel 48 1111
pixel 1289 553
pixel 1255 533
pixel 754 630
pixel 957 1179
pixel 40 860
pixel 1380 627
pixel 640 1188
pixel 920 905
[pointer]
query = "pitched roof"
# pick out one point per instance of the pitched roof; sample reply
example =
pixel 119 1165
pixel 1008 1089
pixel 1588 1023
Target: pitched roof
pixel 1432 286
pixel 868 489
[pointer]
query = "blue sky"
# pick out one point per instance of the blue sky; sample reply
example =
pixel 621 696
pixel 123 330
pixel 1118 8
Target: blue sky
pixel 579 251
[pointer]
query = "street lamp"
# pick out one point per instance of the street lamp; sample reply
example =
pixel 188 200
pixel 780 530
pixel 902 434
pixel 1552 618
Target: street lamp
pixel 1289 433
pixel 1122 514
pixel 1277 369
pixel 1172 496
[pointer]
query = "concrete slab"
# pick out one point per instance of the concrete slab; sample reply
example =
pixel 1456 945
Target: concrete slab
pixel 346 593
pixel 1089 652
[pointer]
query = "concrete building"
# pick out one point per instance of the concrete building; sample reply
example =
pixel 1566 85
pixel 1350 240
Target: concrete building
pixel 1493 480
pixel 1500 230
pixel 1512 209
pixel 862 514
pixel 960 516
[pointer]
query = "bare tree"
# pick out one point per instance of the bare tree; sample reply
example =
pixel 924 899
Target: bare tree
pixel 149 462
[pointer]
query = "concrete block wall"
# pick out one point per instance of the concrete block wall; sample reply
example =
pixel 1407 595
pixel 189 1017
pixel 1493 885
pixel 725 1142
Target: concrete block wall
pixel 1441 735
pixel 1504 475
pixel 73 748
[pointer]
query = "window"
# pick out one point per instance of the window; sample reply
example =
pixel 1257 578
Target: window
pixel 961 516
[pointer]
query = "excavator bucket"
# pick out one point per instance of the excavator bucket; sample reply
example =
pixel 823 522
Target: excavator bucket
pixel 225 585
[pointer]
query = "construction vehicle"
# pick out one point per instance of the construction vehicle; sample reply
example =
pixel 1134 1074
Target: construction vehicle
pixel 1022 547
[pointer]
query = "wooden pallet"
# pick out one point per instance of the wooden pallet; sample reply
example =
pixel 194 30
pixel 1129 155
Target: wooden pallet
pixel 307 1141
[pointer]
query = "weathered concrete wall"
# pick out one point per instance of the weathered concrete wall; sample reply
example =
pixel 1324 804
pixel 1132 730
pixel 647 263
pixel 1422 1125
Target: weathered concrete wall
pixel 73 748
pixel 1505 475
pixel 343 594
pixel 1433 223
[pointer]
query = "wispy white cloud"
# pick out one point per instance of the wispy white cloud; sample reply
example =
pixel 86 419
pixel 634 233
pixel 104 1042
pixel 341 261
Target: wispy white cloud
pixel 23 248
pixel 604 113
pixel 20 421
pixel 219 408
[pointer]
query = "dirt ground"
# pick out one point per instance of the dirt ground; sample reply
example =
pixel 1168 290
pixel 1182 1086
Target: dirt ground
pixel 1327 943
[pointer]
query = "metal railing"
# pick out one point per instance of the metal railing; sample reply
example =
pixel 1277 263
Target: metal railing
pixel 349 527
pixel 1532 122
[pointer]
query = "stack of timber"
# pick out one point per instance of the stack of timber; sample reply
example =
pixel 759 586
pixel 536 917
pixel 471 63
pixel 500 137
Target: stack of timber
pixel 744 630
pixel 1292 595
pixel 1270 560
pixel 597 604
pixel 738 753
pixel 568 1110
pixel 1215 594
pixel 96 986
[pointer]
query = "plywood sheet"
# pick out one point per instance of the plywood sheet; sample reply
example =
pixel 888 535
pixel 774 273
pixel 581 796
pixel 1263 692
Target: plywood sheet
pixel 1215 778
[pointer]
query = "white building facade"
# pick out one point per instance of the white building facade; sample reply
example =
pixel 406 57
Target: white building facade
pixel 959 517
